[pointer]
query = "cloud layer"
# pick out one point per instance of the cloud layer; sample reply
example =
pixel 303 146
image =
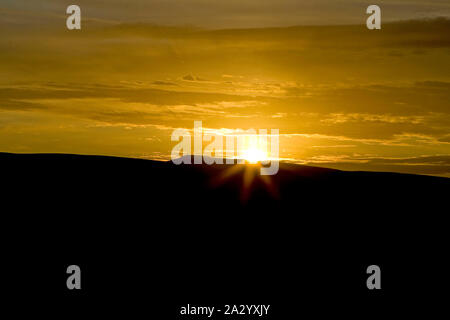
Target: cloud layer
pixel 341 96
pixel 224 13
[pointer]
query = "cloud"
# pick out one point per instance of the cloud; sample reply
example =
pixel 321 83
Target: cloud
pixel 332 91
pixel 445 138
pixel 431 165
pixel 328 111
pixel 190 77
pixel 337 118
pixel 164 83
pixel 226 13
pixel 441 160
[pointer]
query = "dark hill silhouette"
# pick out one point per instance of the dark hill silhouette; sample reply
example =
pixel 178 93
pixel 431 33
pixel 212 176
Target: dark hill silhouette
pixel 137 181
pixel 197 231
pixel 127 190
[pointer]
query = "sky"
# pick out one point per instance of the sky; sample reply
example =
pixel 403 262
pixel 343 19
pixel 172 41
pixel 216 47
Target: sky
pixel 225 13
pixel 341 95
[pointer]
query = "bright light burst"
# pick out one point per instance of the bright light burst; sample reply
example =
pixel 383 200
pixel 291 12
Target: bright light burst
pixel 255 155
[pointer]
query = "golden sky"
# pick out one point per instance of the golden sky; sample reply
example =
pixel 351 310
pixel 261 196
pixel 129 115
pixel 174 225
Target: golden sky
pixel 341 95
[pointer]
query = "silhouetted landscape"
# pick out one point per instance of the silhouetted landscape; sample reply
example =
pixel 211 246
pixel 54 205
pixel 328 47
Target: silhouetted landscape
pixel 126 184
pixel 352 97
pixel 124 191
pixel 185 225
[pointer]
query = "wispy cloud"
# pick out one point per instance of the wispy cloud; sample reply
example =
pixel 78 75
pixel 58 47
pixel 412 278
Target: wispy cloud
pixel 120 89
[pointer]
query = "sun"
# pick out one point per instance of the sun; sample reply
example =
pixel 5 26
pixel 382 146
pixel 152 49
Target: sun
pixel 255 155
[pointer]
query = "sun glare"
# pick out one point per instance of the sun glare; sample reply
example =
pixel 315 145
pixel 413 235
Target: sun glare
pixel 255 155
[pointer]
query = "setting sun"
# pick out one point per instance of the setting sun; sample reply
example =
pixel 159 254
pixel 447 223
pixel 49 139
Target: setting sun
pixel 255 155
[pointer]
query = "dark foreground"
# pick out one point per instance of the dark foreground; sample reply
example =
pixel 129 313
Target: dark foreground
pixel 151 237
